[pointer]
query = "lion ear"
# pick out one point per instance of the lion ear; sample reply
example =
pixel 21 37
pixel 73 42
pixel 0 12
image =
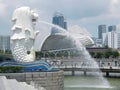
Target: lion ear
pixel 34 15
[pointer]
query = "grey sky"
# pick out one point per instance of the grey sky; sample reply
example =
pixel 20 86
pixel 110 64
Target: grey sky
pixel 85 13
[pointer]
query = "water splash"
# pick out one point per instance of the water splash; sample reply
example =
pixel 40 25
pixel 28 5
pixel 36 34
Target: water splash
pixel 88 86
pixel 84 53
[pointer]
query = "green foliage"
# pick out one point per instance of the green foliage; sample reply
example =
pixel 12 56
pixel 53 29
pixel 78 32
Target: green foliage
pixel 8 52
pixel 109 53
pixel 38 54
pixel 60 54
pixel 65 54
pixel 51 54
pixel 99 55
pixel 92 54
pixel 10 69
pixel 115 54
pixel 1 58
pixel 74 53
pixel 106 46
pixel 5 52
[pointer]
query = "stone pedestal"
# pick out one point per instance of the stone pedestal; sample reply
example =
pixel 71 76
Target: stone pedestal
pixel 48 80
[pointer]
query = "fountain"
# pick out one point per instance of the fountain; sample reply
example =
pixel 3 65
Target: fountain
pixel 60 37
pixel 23 39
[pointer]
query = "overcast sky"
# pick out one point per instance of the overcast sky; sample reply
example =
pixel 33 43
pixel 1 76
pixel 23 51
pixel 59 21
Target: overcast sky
pixel 85 13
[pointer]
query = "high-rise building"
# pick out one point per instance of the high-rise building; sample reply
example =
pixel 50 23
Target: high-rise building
pixel 4 42
pixel 111 39
pixel 65 24
pixel 118 40
pixel 105 39
pixel 112 28
pixel 101 30
pixel 58 19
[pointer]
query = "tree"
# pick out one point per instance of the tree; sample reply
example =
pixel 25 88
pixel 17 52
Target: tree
pixel 99 55
pixel 51 54
pixel 1 51
pixel 108 53
pixel 8 52
pixel 39 54
pixel 115 54
pixel 66 54
pixel 60 54
pixel 92 54
pixel 106 46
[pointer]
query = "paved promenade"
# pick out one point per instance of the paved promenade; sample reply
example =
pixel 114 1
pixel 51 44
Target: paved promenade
pixel 106 70
pixel 106 66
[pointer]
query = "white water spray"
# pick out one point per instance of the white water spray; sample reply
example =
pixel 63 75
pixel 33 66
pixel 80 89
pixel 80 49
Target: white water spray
pixel 102 81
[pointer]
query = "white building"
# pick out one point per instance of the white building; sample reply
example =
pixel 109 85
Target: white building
pixel 118 40
pixel 110 39
pixel 98 42
pixel 61 40
pixel 105 39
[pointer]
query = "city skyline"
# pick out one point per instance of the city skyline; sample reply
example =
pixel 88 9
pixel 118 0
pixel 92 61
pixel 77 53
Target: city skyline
pixel 58 19
pixel 87 14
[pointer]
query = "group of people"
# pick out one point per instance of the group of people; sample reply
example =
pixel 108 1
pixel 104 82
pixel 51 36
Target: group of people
pixel 101 63
pixel 113 63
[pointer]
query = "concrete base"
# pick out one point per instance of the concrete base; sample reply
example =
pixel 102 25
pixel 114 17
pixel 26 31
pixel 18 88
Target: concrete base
pixel 48 80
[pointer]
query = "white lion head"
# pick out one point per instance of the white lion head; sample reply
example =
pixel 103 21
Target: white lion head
pixel 24 20
pixel 23 37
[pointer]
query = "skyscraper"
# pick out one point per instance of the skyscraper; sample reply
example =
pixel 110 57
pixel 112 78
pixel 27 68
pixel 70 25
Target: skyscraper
pixel 4 42
pixel 112 28
pixel 118 40
pixel 112 40
pixel 101 30
pixel 58 19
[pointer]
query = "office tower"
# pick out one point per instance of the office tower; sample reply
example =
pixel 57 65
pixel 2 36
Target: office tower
pixel 105 39
pixel 58 19
pixel 4 42
pixel 112 28
pixel 118 40
pixel 65 24
pixel 101 30
pixel 112 40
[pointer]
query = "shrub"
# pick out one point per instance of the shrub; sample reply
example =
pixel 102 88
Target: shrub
pixel 12 69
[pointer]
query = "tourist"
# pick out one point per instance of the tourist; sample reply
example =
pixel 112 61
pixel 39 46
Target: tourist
pixel 116 62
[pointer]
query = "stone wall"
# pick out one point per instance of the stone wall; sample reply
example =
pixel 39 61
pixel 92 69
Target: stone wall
pixel 48 80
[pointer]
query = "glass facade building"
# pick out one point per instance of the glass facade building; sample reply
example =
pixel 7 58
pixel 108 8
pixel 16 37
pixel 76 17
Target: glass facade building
pixel 4 42
pixel 58 19
pixel 111 28
pixel 101 30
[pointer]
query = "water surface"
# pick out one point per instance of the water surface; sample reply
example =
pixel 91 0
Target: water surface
pixel 89 83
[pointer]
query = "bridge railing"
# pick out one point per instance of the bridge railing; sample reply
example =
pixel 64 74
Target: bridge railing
pixel 86 64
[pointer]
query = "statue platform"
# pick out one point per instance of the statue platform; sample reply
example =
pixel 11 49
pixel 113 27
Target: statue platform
pixel 39 65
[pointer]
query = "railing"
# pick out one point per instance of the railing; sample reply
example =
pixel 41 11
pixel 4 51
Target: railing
pixel 106 66
pixel 115 63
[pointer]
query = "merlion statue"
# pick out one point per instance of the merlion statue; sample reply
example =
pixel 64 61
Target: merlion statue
pixel 23 34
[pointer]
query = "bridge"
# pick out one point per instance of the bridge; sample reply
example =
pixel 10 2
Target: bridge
pixel 77 64
pixel 106 70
